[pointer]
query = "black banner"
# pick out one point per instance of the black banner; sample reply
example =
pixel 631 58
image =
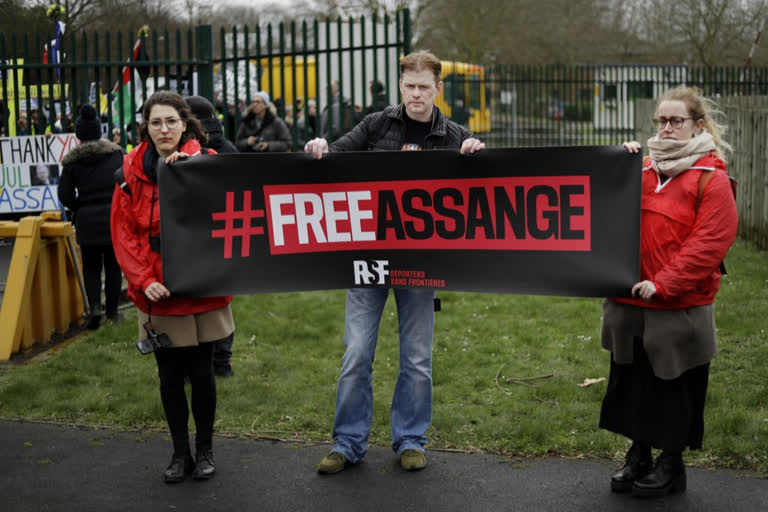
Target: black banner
pixel 554 221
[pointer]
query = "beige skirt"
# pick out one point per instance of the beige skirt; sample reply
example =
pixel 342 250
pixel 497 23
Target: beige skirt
pixel 191 330
pixel 675 340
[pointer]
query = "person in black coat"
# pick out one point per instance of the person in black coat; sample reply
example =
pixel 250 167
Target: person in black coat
pixel 204 112
pixel 85 187
pixel 261 130
pixel 378 98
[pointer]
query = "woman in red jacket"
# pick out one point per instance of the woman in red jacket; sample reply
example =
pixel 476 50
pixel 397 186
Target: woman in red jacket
pixel 662 339
pixel 169 131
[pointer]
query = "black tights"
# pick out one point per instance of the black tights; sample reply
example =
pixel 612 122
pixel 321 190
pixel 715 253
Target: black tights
pixel 174 364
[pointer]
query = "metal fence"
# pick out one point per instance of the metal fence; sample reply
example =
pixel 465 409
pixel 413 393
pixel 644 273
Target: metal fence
pixel 575 105
pixel 296 64
pixel 112 71
pixel 299 65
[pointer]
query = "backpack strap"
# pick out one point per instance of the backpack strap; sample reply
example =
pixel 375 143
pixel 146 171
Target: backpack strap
pixel 120 180
pixel 705 177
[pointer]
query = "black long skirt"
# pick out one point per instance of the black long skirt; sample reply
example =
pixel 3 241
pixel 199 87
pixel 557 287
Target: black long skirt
pixel 667 414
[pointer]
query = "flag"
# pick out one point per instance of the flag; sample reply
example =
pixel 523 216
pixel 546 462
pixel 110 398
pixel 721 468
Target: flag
pixel 53 56
pixel 125 84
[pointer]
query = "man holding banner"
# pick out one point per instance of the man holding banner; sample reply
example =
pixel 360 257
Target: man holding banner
pixel 415 124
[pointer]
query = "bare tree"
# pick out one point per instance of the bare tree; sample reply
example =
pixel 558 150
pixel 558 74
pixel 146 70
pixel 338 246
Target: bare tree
pixel 704 32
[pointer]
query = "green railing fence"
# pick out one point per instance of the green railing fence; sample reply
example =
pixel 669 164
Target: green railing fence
pixel 297 63
pixel 294 63
pixel 575 105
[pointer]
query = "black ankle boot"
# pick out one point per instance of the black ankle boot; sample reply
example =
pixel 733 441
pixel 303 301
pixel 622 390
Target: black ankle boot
pixel 666 477
pixel 94 318
pixel 205 466
pixel 637 463
pixel 181 465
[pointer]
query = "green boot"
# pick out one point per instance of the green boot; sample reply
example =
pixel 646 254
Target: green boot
pixel 413 460
pixel 332 463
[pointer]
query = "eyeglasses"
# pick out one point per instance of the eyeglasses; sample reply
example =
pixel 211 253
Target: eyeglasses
pixel 675 122
pixel 157 124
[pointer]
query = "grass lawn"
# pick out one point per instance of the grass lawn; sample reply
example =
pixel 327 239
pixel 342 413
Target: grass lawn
pixel 507 370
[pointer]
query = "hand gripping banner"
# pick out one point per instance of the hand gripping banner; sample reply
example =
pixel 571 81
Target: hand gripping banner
pixel 553 221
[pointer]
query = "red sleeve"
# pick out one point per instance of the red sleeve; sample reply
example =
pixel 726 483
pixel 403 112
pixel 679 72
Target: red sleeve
pixel 132 257
pixel 714 231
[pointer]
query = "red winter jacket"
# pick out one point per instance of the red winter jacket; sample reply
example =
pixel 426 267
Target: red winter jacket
pixel 130 238
pixel 681 247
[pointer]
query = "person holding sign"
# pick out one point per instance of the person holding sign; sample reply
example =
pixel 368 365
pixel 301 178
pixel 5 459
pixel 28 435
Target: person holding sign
pixel 662 339
pixel 86 185
pixel 414 124
pixel 179 330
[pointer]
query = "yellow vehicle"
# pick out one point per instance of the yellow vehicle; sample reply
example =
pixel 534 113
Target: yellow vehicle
pixel 465 84
pixel 290 68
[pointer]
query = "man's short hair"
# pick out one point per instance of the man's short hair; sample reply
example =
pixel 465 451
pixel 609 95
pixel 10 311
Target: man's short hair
pixel 419 61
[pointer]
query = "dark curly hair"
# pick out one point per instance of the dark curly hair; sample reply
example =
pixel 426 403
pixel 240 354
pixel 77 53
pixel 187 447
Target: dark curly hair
pixel 194 129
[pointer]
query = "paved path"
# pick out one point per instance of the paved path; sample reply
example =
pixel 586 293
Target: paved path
pixel 58 468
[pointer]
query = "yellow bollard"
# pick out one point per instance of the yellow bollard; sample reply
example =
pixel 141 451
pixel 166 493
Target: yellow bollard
pixel 19 284
pixel 42 296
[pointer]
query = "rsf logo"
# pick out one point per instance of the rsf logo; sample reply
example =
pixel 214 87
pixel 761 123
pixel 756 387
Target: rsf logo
pixel 370 271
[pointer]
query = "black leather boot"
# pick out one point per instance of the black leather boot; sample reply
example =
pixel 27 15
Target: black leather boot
pixel 94 319
pixel 637 464
pixel 666 477
pixel 205 466
pixel 181 464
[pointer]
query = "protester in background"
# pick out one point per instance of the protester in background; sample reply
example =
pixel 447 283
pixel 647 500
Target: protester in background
pixel 288 118
pixel 338 116
pixel 69 124
pixel 86 186
pixel 378 98
pixel 304 130
pixel 169 131
pixel 460 113
pixel 663 338
pixel 22 127
pixel 116 136
pixel 203 110
pixel 261 129
pixel 414 123
pixel 36 125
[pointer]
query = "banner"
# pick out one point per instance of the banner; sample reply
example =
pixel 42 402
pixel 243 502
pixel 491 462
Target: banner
pixel 30 167
pixel 555 221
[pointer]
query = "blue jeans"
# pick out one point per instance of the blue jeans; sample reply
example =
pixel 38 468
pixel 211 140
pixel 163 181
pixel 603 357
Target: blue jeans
pixel 411 411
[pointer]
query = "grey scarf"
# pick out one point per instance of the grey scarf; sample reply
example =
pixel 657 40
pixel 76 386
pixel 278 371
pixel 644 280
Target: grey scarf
pixel 671 157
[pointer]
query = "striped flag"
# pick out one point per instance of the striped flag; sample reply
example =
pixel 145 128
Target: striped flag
pixel 128 114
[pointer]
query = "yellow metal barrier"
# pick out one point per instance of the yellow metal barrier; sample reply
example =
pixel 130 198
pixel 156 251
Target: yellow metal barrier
pixel 43 293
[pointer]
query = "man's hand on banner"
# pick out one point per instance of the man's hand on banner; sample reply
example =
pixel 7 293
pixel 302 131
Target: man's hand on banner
pixel 176 155
pixel 156 291
pixel 471 145
pixel 317 147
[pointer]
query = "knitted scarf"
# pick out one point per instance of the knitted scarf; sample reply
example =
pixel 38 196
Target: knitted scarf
pixel 671 157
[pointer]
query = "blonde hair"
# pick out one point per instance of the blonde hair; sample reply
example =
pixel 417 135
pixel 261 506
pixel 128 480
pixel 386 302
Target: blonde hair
pixel 701 107
pixel 421 60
